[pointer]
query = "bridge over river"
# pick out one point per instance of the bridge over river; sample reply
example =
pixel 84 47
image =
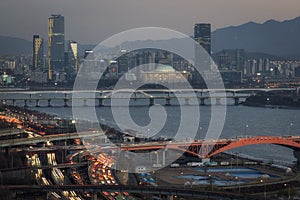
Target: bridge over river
pixel 199 148
pixel 97 98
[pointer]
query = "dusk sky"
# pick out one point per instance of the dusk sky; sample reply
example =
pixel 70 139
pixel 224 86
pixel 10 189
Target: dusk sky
pixel 91 21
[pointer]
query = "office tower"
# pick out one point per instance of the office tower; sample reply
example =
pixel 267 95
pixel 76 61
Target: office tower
pixel 224 60
pixel 56 44
pixel 89 55
pixel 297 72
pixel 38 53
pixel 113 69
pixel 73 55
pixel 90 65
pixel 202 35
pixel 123 62
pixel 240 59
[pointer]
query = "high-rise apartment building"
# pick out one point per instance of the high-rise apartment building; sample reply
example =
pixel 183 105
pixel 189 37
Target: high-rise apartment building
pixel 56 44
pixel 38 53
pixel 202 35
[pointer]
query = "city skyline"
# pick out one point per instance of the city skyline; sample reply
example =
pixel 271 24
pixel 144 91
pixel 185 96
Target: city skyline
pixel 92 22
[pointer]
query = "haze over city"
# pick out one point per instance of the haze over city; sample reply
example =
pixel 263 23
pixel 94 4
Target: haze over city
pixel 209 114
pixel 91 21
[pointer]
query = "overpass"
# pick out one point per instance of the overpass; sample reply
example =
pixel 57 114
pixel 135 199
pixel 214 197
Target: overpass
pixel 10 132
pixel 161 190
pixel 56 137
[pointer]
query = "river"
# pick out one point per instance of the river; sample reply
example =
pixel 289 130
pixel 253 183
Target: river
pixel 241 121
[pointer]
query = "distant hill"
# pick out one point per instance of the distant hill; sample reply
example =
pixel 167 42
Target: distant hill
pixel 249 55
pixel 16 46
pixel 271 37
pixel 13 46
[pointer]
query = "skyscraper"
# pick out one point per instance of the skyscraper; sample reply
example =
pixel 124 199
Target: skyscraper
pixel 240 60
pixel 73 55
pixel 56 44
pixel 38 53
pixel 202 35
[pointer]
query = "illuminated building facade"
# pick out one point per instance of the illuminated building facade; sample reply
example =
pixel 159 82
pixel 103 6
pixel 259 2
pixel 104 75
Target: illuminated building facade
pixel 56 44
pixel 73 55
pixel 164 74
pixel 38 53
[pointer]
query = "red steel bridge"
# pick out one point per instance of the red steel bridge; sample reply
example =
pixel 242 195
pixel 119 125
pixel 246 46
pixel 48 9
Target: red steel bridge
pixel 199 148
pixel 208 148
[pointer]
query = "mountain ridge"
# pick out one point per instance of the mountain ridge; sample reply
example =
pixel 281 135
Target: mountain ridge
pixel 271 37
pixel 278 38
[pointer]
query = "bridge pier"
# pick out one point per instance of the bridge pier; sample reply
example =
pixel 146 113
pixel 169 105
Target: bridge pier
pixel 151 101
pixel 3 101
pixel 170 197
pixel 164 157
pixel 65 102
pixel 84 102
pixel 14 102
pixel 95 197
pixel 37 103
pixel 202 102
pixel 49 103
pixel 236 101
pixel 100 102
pixel 297 156
pixel 25 103
pixel 187 101
pixel 168 101
pixel 218 101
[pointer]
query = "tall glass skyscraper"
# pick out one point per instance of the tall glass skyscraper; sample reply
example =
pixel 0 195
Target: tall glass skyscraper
pixel 38 53
pixel 202 35
pixel 56 44
pixel 73 55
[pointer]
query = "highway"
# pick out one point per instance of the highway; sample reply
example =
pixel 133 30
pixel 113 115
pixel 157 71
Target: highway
pixel 9 132
pixel 56 137
pixel 59 166
pixel 126 188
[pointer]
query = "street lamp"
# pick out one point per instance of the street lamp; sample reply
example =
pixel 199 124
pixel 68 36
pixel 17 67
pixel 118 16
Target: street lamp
pixel 237 179
pixel 228 177
pixel 290 127
pixel 231 160
pixel 155 181
pixel 210 181
pixel 288 190
pixel 263 180
pixel 246 127
pixel 237 159
pixel 1 178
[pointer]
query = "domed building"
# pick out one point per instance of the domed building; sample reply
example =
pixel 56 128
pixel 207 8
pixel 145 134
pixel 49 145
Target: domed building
pixel 164 74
